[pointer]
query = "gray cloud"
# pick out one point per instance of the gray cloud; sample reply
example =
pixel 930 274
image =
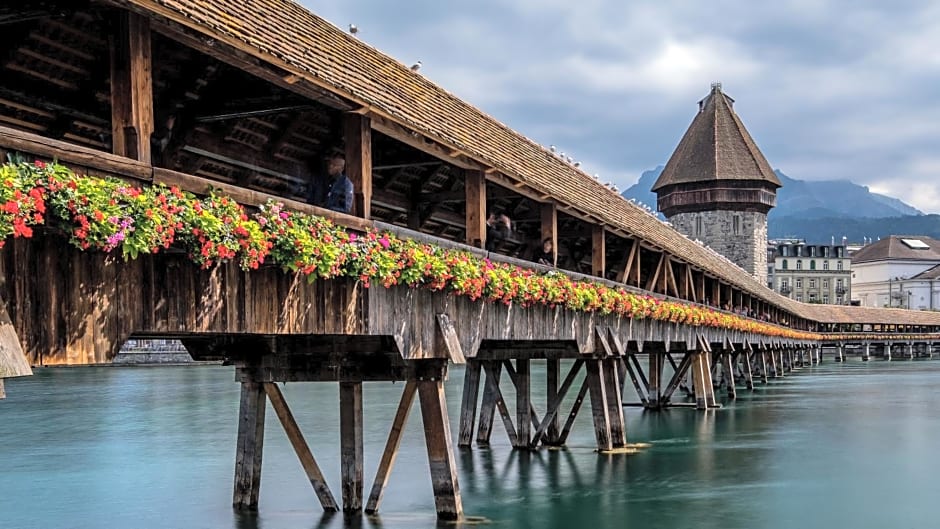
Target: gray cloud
pixel 829 90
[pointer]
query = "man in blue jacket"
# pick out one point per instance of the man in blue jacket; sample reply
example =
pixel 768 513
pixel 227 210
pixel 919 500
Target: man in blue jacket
pixel 336 190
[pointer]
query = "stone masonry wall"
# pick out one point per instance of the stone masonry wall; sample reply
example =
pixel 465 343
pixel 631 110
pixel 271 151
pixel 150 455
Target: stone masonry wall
pixel 742 241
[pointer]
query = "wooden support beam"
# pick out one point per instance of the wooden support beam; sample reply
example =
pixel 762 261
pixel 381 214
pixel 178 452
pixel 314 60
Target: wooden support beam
pixel 654 278
pixel 623 276
pixel 599 408
pixel 551 424
pixel 358 135
pixel 728 374
pixel 350 437
pixel 487 407
pixel 544 431
pixel 640 390
pixel 468 405
pixel 656 362
pixel 447 499
pixel 301 448
pixel 131 87
pixel 748 369
pixel 523 405
pixel 492 388
pixel 549 228
pixel 573 414
pixel 598 251
pixel 391 447
pixel 671 277
pixel 249 447
pixel 475 186
pixel 702 380
pixel 611 374
pixel 514 378
pixel 678 374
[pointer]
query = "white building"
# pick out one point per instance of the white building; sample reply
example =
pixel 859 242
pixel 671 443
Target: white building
pixel 899 271
pixel 812 273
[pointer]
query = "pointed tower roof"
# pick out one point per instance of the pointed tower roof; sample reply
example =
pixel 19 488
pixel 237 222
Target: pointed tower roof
pixel 716 147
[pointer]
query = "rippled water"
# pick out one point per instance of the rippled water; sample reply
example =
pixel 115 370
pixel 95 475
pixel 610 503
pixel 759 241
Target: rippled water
pixel 848 445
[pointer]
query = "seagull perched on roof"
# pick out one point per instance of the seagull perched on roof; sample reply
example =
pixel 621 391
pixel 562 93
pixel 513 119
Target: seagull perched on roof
pixel 353 29
pixel 416 66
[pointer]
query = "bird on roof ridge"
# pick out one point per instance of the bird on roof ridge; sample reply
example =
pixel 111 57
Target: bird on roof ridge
pixel 416 66
pixel 353 29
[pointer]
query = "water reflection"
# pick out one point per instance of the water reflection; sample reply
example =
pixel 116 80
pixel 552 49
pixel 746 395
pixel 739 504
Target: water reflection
pixel 149 448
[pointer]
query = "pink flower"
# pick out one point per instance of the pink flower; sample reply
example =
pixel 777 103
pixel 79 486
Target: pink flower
pixel 384 242
pixel 352 237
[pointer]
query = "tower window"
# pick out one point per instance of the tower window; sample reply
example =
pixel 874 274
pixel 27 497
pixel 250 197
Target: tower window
pixel 698 226
pixel 736 225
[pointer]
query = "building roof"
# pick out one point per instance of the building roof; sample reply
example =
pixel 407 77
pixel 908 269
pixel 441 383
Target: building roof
pixel 899 247
pixel 930 273
pixel 716 147
pixel 286 35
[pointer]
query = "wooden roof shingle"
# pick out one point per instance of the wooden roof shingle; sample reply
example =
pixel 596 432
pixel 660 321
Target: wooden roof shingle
pixel 286 35
pixel 716 147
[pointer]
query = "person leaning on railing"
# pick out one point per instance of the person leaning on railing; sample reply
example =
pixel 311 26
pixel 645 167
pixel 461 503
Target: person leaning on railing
pixel 498 227
pixel 335 190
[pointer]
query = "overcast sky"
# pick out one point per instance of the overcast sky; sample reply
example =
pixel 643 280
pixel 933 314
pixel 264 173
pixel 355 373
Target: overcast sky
pixel 829 90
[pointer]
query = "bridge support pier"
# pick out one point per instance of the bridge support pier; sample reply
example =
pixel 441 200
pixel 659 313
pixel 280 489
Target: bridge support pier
pixel 887 349
pixel 424 380
pixel 867 354
pixel 910 350
pixel 249 447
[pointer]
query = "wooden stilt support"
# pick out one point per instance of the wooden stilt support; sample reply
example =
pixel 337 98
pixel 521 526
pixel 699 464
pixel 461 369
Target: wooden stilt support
pixel 888 351
pixel 748 370
pixel 774 366
pixel 702 381
pixel 551 415
pixel 762 364
pixel 573 414
pixel 628 368
pixel 440 455
pixel 553 427
pixel 599 408
pixel 523 405
pixel 249 447
pixel 350 437
pixel 728 374
pixel 656 361
pixel 468 405
pixel 867 354
pixel 611 374
pixel 678 375
pixel 391 447
pixel 297 441
pixel 492 388
pixel 488 405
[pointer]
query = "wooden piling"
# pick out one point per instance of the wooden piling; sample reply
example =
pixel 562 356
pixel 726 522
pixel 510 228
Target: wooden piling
pixel 488 405
pixel 523 404
pixel 553 373
pixel 468 405
pixel 443 468
pixel 599 407
pixel 656 363
pixel 611 374
pixel 249 447
pixel 350 435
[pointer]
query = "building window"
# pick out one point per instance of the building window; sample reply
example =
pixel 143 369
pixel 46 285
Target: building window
pixel 838 283
pixel 784 283
pixel 825 283
pixel 812 297
pixel 812 283
pixel 826 299
pixel 799 297
pixel 839 265
pixel 799 282
pixel 736 224
pixel 784 264
pixel 812 264
pixel 826 265
pixel 799 264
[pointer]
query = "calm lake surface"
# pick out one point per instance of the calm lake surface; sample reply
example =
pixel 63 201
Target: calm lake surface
pixel 839 445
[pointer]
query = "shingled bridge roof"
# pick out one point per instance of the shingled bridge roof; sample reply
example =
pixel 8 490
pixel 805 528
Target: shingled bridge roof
pixel 286 35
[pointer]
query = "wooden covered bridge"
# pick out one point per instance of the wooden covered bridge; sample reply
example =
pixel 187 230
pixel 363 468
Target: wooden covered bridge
pixel 248 99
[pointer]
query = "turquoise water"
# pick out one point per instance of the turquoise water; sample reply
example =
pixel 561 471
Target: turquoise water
pixel 839 445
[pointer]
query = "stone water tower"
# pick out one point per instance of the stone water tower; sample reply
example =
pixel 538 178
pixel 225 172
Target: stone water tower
pixel 717 187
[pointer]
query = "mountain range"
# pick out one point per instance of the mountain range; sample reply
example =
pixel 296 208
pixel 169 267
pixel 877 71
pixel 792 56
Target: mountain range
pixel 825 210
